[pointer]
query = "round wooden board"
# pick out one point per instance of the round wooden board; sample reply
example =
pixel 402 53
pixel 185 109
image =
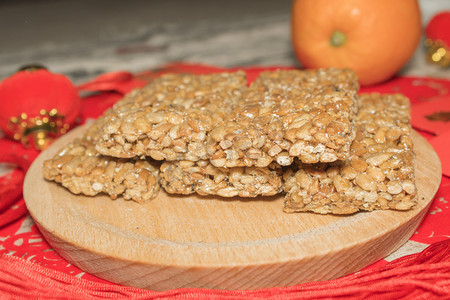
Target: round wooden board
pixel 209 242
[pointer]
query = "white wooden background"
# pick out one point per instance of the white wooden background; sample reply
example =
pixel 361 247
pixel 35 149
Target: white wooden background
pixel 85 38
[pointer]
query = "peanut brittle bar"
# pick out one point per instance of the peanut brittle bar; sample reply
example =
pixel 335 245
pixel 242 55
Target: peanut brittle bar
pixel 82 170
pixel 187 177
pixel 379 173
pixel 170 118
pixel 287 114
pixel 284 114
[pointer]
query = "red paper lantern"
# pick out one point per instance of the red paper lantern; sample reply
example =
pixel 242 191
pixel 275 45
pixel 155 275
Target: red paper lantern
pixel 37 106
pixel 438 39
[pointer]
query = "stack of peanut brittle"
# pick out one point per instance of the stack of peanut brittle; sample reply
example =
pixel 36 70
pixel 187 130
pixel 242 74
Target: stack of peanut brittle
pixel 306 134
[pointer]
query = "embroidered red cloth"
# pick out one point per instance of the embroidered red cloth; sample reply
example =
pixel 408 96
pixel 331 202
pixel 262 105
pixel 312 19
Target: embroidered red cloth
pixel 29 268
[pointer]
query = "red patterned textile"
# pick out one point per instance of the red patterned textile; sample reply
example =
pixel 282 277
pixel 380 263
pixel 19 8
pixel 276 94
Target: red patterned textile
pixel 30 268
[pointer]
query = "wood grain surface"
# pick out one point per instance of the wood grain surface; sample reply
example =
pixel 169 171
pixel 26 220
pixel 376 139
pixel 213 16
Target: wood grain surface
pixel 210 242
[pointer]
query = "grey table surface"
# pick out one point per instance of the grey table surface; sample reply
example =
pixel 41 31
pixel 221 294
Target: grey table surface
pixel 85 38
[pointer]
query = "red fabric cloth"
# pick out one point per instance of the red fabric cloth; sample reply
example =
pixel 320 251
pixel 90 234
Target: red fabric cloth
pixel 417 276
pixel 29 268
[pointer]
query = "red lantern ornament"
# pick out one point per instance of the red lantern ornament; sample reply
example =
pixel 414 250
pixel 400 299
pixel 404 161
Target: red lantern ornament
pixel 438 39
pixel 36 106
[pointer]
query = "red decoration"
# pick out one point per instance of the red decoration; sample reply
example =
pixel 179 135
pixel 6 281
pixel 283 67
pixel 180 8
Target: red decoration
pixel 37 106
pixel 30 269
pixel 438 39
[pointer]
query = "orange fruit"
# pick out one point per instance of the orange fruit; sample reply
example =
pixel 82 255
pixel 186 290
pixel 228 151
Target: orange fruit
pixel 373 37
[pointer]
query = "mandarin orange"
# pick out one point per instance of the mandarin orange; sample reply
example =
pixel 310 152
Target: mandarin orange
pixel 373 37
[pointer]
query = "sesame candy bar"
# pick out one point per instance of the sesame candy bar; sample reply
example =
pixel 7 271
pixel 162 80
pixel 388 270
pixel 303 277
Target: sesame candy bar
pixel 82 170
pixel 379 173
pixel 186 177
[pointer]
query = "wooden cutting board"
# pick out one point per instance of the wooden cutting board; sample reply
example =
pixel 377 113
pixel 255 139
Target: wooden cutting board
pixel 210 242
